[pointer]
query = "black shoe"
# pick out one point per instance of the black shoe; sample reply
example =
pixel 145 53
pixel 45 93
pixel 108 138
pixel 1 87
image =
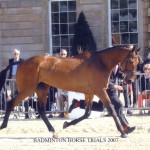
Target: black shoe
pixel 129 112
pixel 61 115
pixel 50 116
pixel 26 116
pixel 107 115
pixel 73 105
pixel 128 129
pixel 38 117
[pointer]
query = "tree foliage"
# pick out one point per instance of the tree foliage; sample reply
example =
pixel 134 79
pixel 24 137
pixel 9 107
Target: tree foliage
pixel 83 37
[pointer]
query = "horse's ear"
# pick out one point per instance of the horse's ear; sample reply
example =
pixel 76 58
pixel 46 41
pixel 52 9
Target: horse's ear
pixel 138 49
pixel 133 49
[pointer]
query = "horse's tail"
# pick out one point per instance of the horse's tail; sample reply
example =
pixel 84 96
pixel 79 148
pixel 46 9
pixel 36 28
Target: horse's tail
pixel 3 74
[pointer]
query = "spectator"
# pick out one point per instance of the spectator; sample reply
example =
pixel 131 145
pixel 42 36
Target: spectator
pixel 145 79
pixel 145 87
pixel 147 61
pixel 12 72
pixel 62 101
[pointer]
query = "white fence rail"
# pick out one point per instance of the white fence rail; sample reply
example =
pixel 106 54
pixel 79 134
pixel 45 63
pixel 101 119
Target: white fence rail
pixel 142 91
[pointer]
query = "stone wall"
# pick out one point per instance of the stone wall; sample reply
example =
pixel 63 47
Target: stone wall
pixel 96 13
pixel 146 32
pixel 23 25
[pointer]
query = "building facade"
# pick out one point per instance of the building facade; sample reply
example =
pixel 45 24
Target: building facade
pixel 46 26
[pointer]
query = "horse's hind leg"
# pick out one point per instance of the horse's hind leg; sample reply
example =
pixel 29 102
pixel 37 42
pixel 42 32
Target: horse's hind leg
pixel 10 105
pixel 42 91
pixel 73 122
pixel 88 104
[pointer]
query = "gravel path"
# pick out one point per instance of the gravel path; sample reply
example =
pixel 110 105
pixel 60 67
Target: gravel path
pixel 90 134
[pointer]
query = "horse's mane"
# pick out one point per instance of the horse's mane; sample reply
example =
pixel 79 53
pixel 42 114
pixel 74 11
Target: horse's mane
pixel 117 46
pixel 87 54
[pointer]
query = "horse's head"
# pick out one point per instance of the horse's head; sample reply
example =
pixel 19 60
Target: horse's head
pixel 129 65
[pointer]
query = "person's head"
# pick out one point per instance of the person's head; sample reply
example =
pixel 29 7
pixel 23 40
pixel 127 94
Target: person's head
pixel 63 53
pixel 146 68
pixel 16 53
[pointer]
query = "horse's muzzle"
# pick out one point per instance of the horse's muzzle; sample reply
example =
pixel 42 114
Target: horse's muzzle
pixel 129 78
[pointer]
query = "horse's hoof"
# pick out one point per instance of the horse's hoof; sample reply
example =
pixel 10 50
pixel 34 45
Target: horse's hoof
pixel 2 127
pixel 65 125
pixel 124 135
pixel 55 135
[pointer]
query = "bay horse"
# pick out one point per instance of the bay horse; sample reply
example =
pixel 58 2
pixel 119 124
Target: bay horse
pixel 87 73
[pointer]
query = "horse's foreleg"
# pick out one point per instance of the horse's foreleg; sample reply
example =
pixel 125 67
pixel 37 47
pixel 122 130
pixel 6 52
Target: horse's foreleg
pixel 106 101
pixel 85 116
pixel 112 112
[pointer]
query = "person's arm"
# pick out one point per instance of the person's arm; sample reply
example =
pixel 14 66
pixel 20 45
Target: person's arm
pixel 120 73
pixel 114 86
pixel 111 85
pixel 10 71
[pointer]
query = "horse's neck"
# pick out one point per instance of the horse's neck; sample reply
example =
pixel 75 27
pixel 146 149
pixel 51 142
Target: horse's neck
pixel 83 55
pixel 113 57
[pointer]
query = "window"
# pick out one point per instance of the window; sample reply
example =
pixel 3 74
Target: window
pixel 62 20
pixel 124 22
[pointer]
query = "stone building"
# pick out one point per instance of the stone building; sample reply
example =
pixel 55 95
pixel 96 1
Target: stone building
pixel 45 26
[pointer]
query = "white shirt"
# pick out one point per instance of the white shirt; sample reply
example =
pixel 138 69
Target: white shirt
pixel 14 68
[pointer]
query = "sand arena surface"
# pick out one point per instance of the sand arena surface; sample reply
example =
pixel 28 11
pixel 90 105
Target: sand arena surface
pixel 90 134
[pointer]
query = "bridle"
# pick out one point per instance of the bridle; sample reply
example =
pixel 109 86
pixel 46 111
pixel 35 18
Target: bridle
pixel 127 61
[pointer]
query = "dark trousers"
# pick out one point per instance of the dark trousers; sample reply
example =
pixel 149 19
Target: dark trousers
pixel 3 98
pixel 127 96
pixel 118 106
pixel 134 88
